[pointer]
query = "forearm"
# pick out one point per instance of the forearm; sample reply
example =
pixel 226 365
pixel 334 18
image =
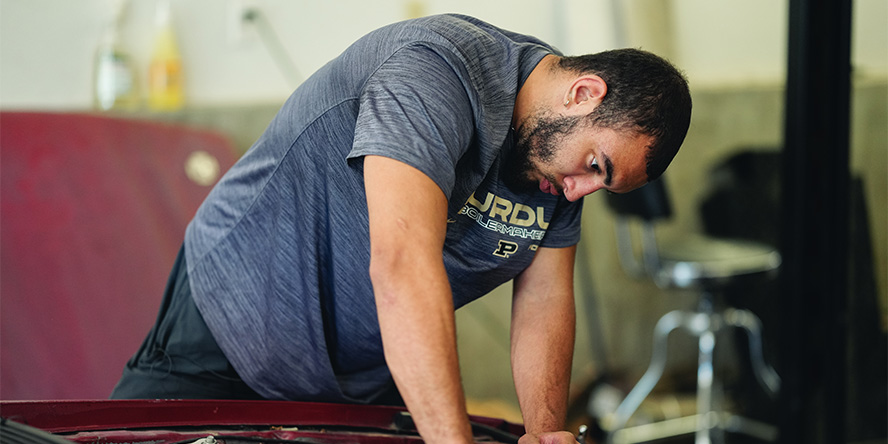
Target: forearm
pixel 542 353
pixel 418 333
pixel 542 336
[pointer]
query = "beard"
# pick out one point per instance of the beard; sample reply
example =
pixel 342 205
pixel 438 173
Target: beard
pixel 536 143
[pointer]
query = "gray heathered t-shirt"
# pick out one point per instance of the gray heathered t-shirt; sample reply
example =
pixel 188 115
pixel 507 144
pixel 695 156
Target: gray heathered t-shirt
pixel 278 254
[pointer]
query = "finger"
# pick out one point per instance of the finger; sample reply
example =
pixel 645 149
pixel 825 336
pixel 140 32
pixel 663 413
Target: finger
pixel 562 437
pixel 528 438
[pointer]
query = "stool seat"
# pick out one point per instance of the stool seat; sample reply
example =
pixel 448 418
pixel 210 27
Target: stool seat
pixel 706 262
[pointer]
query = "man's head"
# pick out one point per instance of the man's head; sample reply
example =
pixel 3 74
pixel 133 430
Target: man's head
pixel 625 114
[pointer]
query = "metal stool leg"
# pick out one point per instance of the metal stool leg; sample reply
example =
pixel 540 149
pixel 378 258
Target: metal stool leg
pixel 669 322
pixel 707 431
pixel 705 376
pixel 764 373
pixel 709 424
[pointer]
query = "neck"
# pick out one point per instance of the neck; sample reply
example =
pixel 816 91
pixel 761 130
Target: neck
pixel 535 90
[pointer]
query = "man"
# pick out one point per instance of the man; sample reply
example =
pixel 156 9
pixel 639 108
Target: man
pixel 432 161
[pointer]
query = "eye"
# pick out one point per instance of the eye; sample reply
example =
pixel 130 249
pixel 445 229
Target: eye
pixel 594 165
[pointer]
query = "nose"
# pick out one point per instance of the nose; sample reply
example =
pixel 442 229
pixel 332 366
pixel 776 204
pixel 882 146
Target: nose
pixel 575 187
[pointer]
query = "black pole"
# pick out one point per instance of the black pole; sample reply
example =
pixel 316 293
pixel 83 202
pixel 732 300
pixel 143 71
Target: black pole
pixel 815 229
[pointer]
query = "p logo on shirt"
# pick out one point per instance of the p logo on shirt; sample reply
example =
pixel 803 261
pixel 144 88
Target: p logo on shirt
pixel 505 249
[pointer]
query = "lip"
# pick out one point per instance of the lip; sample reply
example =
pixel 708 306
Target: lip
pixel 547 187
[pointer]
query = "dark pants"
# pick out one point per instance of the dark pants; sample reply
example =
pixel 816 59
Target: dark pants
pixel 180 358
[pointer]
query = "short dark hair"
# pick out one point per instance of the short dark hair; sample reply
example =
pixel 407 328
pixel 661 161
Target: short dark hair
pixel 645 93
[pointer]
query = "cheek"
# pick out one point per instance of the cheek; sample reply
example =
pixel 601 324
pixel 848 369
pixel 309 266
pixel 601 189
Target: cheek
pixel 574 165
pixel 564 161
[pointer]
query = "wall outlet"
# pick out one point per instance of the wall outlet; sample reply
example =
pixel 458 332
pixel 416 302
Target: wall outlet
pixel 241 21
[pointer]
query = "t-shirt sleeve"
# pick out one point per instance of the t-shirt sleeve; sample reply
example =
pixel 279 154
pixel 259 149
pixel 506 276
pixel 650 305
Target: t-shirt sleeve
pixel 415 109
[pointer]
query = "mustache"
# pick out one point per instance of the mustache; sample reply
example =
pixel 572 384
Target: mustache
pixel 535 141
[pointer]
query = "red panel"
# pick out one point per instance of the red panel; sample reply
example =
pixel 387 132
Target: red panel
pixel 166 415
pixel 92 213
pixel 70 416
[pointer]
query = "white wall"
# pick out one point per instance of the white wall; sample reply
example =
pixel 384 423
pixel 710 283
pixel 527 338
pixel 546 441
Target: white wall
pixel 47 46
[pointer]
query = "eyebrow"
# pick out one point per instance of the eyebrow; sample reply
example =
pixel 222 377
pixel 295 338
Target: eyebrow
pixel 609 170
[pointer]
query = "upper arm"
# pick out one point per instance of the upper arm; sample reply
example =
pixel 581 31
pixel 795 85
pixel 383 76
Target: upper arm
pixel 407 213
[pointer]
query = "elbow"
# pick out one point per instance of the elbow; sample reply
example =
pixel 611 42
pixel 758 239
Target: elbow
pixel 396 271
pixel 383 264
pixel 387 253
pixel 390 271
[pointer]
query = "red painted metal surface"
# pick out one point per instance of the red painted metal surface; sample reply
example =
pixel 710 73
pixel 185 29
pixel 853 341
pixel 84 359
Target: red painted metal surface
pixel 296 435
pixel 93 211
pixel 68 416
pixel 161 421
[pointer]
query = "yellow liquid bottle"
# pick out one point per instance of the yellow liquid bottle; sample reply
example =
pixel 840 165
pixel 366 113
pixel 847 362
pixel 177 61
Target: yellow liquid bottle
pixel 165 76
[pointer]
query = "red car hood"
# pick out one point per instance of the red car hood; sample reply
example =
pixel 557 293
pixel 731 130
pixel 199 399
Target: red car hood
pixel 191 421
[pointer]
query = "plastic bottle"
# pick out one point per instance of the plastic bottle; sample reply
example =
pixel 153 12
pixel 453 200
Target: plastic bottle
pixel 165 77
pixel 114 80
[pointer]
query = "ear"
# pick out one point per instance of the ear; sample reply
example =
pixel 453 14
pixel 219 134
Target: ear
pixel 586 93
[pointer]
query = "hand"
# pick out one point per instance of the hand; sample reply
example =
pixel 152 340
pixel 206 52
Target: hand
pixel 562 437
